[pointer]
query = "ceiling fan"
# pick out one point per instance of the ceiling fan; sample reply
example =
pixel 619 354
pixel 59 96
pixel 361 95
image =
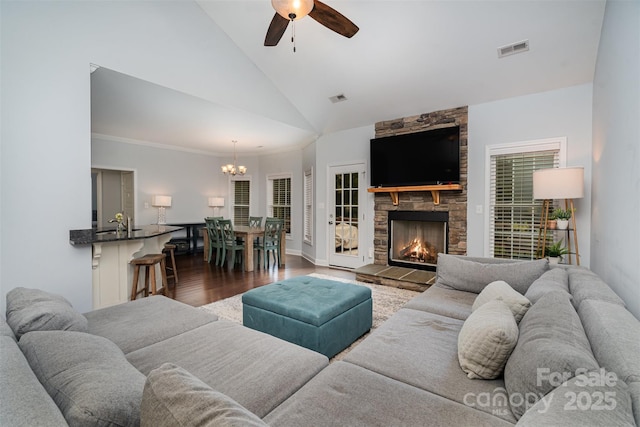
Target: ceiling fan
pixel 291 10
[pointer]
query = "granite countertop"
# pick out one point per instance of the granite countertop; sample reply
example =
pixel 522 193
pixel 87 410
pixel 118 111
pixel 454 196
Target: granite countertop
pixel 104 235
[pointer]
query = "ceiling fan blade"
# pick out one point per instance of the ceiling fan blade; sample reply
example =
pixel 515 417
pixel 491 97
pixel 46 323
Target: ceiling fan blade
pixel 276 30
pixel 332 19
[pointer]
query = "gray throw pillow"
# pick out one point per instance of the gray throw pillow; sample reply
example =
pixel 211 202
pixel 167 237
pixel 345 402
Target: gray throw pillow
pixel 470 275
pixel 174 397
pixel 551 349
pixel 596 398
pixel 87 376
pixel 37 310
pixel 486 340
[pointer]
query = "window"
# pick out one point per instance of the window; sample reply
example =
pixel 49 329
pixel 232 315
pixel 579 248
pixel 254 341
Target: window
pixel 279 199
pixel 308 206
pixel 241 191
pixel 514 215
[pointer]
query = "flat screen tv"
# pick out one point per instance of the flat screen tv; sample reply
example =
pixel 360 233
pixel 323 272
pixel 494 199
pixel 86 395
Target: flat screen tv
pixel 423 158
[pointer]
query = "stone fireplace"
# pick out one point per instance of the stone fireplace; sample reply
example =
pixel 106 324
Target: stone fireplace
pixel 452 204
pixel 415 238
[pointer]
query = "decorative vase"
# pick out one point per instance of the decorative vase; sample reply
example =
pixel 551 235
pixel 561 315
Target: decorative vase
pixel 552 224
pixel 554 260
pixel 121 227
pixel 563 224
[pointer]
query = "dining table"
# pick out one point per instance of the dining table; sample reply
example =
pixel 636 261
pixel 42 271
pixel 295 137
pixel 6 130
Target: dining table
pixel 248 234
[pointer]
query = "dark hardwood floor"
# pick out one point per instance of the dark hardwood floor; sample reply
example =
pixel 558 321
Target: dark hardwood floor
pixel 201 283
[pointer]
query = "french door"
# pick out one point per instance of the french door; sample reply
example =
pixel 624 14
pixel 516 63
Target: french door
pixel 346 215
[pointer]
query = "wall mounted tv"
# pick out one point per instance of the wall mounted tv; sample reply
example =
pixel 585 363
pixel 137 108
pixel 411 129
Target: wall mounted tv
pixel 422 158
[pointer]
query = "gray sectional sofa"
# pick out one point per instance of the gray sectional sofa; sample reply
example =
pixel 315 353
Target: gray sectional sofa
pixel 575 360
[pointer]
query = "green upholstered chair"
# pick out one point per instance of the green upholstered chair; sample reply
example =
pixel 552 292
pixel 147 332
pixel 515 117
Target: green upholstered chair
pixel 230 243
pixel 215 240
pixel 271 241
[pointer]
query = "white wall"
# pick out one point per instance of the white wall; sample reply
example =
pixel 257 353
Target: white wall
pixel 47 48
pixel 340 148
pixel 562 112
pixel 615 244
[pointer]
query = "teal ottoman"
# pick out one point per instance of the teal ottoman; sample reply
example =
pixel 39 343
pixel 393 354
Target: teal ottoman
pixel 322 315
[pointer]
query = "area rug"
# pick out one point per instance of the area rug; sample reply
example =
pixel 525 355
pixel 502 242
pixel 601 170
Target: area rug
pixel 386 301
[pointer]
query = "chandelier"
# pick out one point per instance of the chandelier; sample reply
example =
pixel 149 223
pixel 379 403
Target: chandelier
pixel 232 169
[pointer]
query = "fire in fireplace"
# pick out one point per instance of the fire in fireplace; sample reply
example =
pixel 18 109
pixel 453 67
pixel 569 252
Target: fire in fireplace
pixel 416 238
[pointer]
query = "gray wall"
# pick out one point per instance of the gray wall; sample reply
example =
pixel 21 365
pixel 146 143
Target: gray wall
pixel 615 244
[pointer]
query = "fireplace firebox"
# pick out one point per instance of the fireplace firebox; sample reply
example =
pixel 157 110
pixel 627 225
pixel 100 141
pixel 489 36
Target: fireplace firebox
pixel 415 238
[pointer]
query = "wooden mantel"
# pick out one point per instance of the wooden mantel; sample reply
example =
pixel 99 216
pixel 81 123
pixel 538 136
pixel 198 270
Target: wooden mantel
pixel 435 191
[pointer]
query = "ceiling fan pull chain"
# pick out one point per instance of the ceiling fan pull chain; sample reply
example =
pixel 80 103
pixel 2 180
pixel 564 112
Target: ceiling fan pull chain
pixel 293 34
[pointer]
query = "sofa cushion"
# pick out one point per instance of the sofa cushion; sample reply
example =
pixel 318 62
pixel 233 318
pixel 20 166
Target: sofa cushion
pixel 586 285
pixel 634 391
pixel 443 301
pixel 174 397
pixel 255 369
pixel 468 274
pixel 156 318
pixel 87 376
pixel 23 400
pixel 37 310
pixel 500 289
pixel 614 335
pixel 590 399
pixel 421 349
pixel 348 395
pixel 556 279
pixel 486 340
pixel 552 345
pixel 5 329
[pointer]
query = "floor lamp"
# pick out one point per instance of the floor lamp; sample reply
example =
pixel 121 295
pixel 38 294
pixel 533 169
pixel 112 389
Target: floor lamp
pixel 554 184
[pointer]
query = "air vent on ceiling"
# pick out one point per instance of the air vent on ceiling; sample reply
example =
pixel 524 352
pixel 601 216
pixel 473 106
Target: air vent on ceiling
pixel 338 98
pixel 513 48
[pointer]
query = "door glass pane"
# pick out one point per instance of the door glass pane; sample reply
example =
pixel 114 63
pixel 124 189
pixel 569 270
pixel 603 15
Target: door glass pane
pixel 346 220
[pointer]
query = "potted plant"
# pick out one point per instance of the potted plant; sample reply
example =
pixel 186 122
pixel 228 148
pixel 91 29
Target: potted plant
pixel 555 251
pixel 562 218
pixel 552 223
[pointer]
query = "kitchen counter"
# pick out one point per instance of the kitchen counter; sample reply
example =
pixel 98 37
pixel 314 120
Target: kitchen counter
pixel 104 235
pixel 111 254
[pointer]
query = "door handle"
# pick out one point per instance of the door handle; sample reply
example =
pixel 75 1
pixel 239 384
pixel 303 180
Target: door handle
pixel 330 222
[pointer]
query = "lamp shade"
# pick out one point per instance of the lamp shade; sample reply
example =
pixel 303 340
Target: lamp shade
pixel 292 9
pixel 161 201
pixel 216 202
pixel 558 183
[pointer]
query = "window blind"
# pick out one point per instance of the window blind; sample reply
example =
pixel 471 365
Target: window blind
pixel 281 201
pixel 514 213
pixel 308 206
pixel 241 191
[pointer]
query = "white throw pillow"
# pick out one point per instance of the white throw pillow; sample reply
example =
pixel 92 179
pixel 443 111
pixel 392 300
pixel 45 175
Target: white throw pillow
pixel 500 289
pixel 486 340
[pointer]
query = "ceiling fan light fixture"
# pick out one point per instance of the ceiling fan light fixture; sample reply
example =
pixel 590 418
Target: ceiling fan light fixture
pixel 292 9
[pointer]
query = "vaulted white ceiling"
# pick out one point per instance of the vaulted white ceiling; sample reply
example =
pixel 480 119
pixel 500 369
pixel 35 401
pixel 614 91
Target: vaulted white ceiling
pixel 409 57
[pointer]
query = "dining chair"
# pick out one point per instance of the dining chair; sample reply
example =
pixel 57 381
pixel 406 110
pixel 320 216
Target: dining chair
pixel 215 240
pixel 229 242
pixel 271 241
pixel 255 222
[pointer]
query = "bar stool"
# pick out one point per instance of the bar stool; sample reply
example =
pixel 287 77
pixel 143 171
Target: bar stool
pixel 149 263
pixel 171 248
